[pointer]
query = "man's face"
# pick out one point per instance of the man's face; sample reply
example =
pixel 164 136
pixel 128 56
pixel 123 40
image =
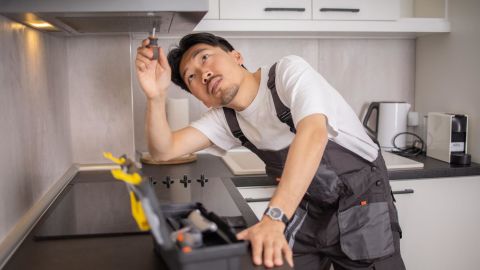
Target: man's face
pixel 211 74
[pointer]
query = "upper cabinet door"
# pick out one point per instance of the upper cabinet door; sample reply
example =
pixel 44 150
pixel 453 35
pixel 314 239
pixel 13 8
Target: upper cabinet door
pixel 356 9
pixel 213 10
pixel 266 10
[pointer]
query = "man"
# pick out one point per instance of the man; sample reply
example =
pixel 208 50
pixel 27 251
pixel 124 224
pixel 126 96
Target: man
pixel 333 203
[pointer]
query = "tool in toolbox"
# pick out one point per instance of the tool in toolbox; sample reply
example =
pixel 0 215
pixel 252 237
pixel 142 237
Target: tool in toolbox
pixel 191 234
pixel 144 204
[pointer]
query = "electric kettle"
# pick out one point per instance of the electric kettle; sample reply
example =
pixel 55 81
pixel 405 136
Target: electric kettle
pixel 391 121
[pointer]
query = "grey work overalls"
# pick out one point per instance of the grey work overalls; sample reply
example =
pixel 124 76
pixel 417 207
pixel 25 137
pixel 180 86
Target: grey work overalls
pixel 347 217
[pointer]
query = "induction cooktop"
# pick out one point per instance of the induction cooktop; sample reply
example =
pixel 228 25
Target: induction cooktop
pixel 98 205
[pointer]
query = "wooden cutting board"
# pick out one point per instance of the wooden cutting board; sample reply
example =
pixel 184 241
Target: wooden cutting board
pixel 244 162
pixel 395 162
pixel 147 159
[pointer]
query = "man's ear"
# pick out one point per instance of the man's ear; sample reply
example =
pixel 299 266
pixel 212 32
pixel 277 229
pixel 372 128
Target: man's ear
pixel 237 56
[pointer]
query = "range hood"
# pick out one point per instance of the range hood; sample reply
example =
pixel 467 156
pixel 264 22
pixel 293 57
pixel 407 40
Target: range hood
pixel 84 17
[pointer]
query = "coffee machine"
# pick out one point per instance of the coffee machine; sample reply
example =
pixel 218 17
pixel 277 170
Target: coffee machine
pixel 447 137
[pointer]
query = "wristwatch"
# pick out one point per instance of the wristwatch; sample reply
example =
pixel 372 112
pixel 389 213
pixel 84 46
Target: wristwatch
pixel 277 214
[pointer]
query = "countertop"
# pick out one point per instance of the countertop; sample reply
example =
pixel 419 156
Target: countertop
pixel 434 168
pixel 135 251
pixel 129 251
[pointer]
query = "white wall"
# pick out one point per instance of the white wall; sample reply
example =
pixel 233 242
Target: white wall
pixel 362 70
pixel 35 147
pixel 448 69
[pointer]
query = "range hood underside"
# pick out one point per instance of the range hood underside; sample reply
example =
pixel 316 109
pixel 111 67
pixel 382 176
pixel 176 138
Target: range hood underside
pixel 112 22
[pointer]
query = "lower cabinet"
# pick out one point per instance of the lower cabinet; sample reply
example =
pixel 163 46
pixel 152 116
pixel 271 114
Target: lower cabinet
pixel 258 208
pixel 257 198
pixel 440 222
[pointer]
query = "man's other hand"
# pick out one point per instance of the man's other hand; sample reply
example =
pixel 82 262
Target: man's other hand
pixel 268 243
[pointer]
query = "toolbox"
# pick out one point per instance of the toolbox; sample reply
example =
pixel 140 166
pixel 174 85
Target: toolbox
pixel 186 236
pixel 216 252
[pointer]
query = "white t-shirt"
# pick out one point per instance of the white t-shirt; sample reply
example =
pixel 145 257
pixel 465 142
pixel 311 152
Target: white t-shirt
pixel 305 92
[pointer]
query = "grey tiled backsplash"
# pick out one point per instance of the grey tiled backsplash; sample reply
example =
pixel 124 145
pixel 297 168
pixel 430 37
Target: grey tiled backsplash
pixel 34 118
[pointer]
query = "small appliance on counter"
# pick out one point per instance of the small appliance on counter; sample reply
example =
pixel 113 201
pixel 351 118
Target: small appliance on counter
pixel 447 137
pixel 391 121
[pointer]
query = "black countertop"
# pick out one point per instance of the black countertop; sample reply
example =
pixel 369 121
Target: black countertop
pixel 134 251
pixel 434 168
pixel 214 166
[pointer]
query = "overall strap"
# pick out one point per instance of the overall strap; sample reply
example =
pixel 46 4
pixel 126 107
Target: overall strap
pixel 232 122
pixel 283 112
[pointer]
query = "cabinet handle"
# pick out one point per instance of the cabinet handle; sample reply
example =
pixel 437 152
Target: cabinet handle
pixel 249 200
pixel 353 10
pixel 284 9
pixel 405 191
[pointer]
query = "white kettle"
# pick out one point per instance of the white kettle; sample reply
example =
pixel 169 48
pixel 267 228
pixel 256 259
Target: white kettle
pixel 391 121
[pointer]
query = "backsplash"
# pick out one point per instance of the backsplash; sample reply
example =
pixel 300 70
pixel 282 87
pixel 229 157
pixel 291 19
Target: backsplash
pixel 100 97
pixel 362 70
pixel 35 142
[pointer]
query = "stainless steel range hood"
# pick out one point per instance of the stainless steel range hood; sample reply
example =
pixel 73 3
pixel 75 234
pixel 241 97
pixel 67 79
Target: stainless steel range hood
pixel 80 17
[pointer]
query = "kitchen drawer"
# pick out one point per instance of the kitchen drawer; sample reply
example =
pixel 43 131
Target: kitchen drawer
pixel 250 193
pixel 356 9
pixel 257 198
pixel 258 208
pixel 266 10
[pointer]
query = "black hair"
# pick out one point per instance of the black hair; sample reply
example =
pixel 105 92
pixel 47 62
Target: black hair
pixel 175 55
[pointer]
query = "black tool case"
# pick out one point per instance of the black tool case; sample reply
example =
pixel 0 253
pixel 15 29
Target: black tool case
pixel 215 254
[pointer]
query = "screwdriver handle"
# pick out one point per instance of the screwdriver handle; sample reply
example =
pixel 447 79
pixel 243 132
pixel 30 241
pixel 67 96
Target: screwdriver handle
pixel 154 45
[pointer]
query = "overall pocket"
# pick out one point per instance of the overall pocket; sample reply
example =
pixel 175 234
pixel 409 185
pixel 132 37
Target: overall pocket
pixel 365 231
pixel 326 187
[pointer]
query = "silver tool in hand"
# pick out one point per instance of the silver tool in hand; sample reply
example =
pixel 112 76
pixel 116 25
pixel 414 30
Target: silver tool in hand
pixel 153 42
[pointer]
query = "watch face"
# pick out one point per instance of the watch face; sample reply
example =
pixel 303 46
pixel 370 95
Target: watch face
pixel 275 212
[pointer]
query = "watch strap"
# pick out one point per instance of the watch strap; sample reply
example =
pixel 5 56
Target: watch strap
pixel 283 217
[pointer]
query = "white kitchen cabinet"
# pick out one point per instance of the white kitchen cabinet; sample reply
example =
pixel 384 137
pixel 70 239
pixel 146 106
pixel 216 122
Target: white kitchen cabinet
pixel 257 198
pixel 375 18
pixel 257 192
pixel 440 222
pixel 356 10
pixel 266 10
pixel 213 10
pixel 258 208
